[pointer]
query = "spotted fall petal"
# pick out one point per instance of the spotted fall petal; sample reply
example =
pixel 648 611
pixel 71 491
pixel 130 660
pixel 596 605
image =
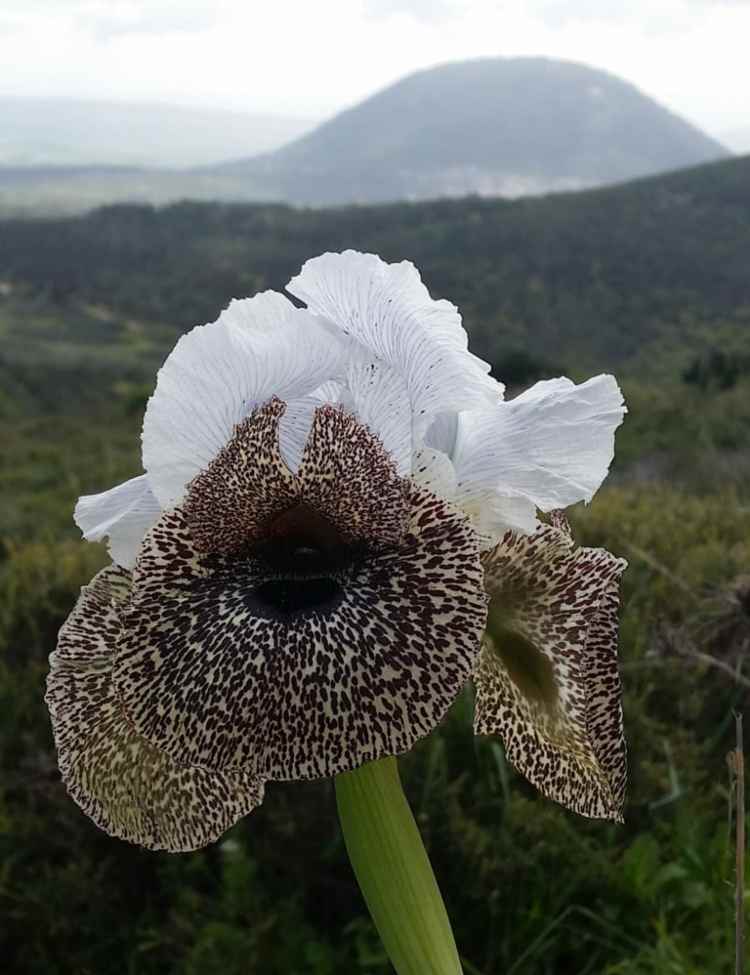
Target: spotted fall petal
pixel 547 448
pixel 129 788
pixel 258 347
pixel 387 309
pixel 123 514
pixel 547 681
pixel 308 640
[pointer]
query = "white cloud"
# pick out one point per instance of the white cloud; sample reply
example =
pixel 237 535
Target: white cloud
pixel 107 18
pixel 154 19
pixel 311 59
pixel 425 10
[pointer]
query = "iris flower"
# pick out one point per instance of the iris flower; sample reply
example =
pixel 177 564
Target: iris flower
pixel 337 528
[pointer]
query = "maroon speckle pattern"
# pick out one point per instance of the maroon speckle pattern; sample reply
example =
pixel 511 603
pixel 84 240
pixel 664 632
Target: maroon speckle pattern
pixel 564 600
pixel 129 788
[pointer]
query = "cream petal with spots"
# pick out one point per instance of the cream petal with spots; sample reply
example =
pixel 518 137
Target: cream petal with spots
pixel 129 788
pixel 547 681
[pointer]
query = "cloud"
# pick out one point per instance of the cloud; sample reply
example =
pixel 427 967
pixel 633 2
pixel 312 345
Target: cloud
pixel 423 10
pixel 294 58
pixel 114 20
pixel 117 17
pixel 558 13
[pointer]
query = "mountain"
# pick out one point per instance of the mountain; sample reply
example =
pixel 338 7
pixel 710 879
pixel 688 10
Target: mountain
pixel 497 127
pixel 494 127
pixel 77 132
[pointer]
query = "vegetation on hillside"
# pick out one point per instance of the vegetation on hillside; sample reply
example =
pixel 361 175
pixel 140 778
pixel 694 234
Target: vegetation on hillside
pixel 648 280
pixel 530 887
pixel 642 275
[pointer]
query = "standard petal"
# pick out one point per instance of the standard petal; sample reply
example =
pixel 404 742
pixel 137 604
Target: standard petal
pixel 379 398
pixel 123 514
pixel 294 429
pixel 212 674
pixel 217 374
pixel 388 310
pixel 547 680
pixel 550 447
pixel 295 424
pixel 130 789
pixel 442 433
pixel 373 393
pixel 433 470
pixel 494 514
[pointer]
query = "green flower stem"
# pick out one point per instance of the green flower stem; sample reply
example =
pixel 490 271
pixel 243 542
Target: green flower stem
pixel 393 871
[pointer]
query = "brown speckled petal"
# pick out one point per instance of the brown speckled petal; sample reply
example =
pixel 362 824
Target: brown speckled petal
pixel 129 788
pixel 245 486
pixel 547 681
pixel 210 673
pixel 345 474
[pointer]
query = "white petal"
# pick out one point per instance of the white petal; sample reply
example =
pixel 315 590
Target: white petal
pixel 494 514
pixel 550 447
pixel 294 429
pixel 373 392
pixel 387 309
pixel 296 421
pixel 328 392
pixel 379 399
pixel 442 433
pixel 124 514
pixel 433 470
pixel 258 348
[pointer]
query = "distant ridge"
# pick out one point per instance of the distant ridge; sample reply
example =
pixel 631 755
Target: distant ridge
pixel 59 131
pixel 494 127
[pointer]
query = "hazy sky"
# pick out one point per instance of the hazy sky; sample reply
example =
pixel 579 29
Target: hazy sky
pixel 311 57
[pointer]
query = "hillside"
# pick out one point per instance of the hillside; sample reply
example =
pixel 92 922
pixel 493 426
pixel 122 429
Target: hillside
pixel 605 277
pixel 84 132
pixel 494 127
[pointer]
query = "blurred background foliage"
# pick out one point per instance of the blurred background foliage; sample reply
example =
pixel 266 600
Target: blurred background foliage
pixel 530 888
